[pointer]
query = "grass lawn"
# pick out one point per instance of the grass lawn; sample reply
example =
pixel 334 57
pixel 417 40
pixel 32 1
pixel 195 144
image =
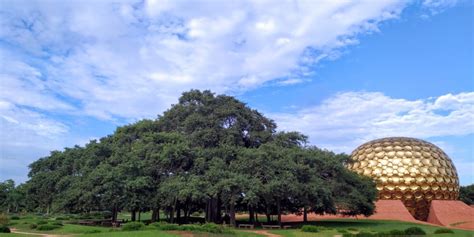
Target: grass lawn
pixel 331 227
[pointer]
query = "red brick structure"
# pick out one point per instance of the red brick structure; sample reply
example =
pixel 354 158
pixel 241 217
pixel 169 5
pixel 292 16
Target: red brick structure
pixel 451 214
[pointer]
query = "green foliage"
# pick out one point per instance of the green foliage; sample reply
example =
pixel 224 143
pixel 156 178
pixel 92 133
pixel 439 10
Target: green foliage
pixel 415 231
pixel 58 223
pixel 207 227
pixel 91 231
pixel 46 227
pixel 33 226
pixel 444 231
pixel 165 226
pixel 4 229
pixel 4 219
pixel 466 194
pixel 132 226
pixel 342 231
pixel 42 222
pixel 213 228
pixel 310 228
pixel 14 218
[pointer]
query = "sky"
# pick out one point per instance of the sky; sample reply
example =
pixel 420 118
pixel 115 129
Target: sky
pixel 341 72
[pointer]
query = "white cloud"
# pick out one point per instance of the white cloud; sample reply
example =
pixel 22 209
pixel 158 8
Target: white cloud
pixel 131 59
pixel 348 119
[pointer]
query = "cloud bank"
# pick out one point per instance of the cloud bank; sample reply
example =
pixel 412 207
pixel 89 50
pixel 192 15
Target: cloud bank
pixel 348 119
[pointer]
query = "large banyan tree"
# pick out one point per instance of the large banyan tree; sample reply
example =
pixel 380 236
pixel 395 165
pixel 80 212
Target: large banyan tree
pixel 207 154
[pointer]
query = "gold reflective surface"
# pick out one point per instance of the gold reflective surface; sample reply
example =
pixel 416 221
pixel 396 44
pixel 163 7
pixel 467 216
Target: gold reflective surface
pixel 408 169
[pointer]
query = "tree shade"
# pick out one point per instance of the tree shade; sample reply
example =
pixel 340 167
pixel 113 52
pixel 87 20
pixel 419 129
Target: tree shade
pixel 209 154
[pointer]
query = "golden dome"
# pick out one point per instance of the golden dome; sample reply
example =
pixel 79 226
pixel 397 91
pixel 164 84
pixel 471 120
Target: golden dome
pixel 408 169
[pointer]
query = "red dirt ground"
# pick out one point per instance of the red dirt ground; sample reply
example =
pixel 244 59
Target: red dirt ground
pixel 385 210
pixel 451 213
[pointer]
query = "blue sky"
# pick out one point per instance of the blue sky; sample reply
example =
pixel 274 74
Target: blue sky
pixel 341 72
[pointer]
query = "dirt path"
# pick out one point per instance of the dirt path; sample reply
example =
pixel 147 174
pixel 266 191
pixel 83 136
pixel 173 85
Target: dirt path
pixel 263 232
pixel 13 230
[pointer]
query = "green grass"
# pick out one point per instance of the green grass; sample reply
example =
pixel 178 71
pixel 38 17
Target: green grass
pixel 13 235
pixel 367 226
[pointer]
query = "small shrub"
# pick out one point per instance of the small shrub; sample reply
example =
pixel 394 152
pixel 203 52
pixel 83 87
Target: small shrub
pixel 4 229
pixel 352 229
pixel 415 231
pixel 33 226
pixel 310 228
pixel 62 218
pixel 3 220
pixel 342 231
pixel 166 226
pixel 46 227
pixel 59 223
pixel 132 226
pixel 42 222
pixel 14 218
pixel 213 228
pixel 91 231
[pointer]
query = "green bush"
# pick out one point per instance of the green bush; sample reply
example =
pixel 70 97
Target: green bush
pixel 14 218
pixel 132 226
pixel 213 228
pixel 60 223
pixel 47 227
pixel 62 218
pixel 415 231
pixel 310 228
pixel 33 226
pixel 352 229
pixel 208 227
pixel 42 222
pixel 3 220
pixel 166 226
pixel 342 231
pixel 4 229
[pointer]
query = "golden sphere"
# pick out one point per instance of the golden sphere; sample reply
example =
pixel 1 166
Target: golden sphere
pixel 407 169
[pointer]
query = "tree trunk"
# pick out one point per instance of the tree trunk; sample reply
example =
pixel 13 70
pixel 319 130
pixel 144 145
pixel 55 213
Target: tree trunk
pixel 208 212
pixel 172 215
pixel 251 215
pixel 114 214
pixel 232 211
pixel 139 215
pixel 178 214
pixel 305 215
pixel 155 215
pixel 133 215
pixel 268 214
pixel 279 212
pixel 256 217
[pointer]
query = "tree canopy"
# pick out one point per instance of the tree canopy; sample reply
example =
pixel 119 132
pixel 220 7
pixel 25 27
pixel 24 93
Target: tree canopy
pixel 208 154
